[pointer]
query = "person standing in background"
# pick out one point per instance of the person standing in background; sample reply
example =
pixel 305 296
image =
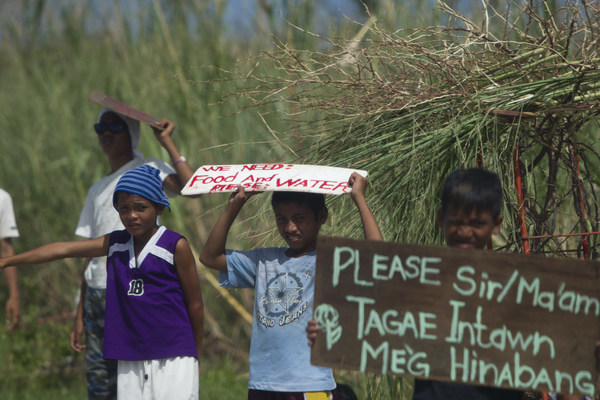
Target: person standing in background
pixel 8 230
pixel 118 136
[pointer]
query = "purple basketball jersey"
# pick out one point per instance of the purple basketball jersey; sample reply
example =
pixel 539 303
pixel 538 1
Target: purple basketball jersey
pixel 146 317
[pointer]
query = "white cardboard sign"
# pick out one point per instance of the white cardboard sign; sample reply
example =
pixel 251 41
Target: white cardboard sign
pixel 270 178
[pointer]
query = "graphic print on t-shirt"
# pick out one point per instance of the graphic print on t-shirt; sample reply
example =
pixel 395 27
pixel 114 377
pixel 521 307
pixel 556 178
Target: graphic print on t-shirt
pixel 283 300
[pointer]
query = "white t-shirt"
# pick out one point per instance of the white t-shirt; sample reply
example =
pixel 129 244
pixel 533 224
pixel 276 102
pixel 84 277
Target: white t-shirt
pixel 283 305
pixel 8 223
pixel 99 216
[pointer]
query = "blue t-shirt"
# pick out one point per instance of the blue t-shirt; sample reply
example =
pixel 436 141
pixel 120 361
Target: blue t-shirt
pixel 283 305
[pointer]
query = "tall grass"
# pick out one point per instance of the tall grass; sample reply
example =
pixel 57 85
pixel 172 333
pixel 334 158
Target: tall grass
pixel 412 105
pixel 51 58
pixel 49 152
pixel 49 155
pixel 158 57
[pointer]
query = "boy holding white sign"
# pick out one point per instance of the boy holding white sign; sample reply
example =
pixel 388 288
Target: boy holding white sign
pixel 280 366
pixel 469 216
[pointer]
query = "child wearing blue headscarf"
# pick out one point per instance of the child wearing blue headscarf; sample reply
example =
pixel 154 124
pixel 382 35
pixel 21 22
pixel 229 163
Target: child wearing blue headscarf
pixel 154 309
pixel 118 136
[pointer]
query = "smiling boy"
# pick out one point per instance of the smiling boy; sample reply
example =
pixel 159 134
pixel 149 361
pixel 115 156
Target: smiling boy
pixel 470 212
pixel 469 216
pixel 280 366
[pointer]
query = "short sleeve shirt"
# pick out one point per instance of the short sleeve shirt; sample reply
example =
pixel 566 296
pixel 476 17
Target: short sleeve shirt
pixel 283 305
pixel 8 224
pixel 99 216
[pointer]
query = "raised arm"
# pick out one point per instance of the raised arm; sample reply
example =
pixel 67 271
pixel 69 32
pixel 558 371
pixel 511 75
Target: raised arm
pixel 213 253
pixel 359 186
pixel 192 294
pixel 59 250
pixel 358 183
pixel 184 172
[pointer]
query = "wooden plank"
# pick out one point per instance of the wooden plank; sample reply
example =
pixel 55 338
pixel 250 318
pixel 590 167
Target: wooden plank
pixel 270 177
pixel 123 108
pixel 448 314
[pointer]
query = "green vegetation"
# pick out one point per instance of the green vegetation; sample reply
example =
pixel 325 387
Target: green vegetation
pixel 49 158
pixel 51 58
pixel 347 98
pixel 412 105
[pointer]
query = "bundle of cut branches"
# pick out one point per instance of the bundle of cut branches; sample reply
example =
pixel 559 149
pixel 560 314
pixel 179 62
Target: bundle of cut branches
pixel 410 106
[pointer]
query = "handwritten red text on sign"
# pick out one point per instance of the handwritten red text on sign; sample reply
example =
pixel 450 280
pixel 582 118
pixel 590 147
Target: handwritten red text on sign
pixel 270 177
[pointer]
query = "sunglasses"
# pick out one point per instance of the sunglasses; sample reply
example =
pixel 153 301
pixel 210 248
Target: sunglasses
pixel 113 127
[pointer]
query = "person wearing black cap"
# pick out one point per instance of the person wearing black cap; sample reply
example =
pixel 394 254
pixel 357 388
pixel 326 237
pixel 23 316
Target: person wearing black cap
pixel 118 136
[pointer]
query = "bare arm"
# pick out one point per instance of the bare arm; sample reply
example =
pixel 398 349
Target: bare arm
pixel 184 172
pixel 213 253
pixel 192 294
pixel 359 186
pixel 13 305
pixel 78 326
pixel 59 250
pixel 358 183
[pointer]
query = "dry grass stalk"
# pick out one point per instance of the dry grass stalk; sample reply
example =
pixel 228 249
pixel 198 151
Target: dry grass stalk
pixel 413 104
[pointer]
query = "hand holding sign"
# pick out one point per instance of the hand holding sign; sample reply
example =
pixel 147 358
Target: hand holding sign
pixel 238 198
pixel 358 183
pixel 312 331
pixel 163 130
pixel 124 109
pixel 274 177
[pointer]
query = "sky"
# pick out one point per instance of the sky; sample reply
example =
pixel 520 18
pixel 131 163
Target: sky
pixel 239 15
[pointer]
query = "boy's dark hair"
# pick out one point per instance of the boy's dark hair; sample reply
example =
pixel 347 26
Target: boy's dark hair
pixel 314 201
pixel 345 392
pixel 472 189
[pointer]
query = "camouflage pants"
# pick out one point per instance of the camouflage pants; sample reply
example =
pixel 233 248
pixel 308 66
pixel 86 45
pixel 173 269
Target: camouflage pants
pixel 101 374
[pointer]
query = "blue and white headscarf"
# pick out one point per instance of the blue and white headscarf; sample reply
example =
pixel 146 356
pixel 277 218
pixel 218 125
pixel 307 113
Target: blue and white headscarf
pixel 145 182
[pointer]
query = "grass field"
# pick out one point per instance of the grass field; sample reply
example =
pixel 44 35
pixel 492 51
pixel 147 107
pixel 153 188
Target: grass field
pixel 221 381
pixel 160 61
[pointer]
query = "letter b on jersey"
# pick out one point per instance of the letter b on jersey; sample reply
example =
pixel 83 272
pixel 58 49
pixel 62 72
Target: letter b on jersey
pixel 136 287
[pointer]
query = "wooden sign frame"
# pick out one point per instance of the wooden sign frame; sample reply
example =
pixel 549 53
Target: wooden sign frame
pixel 124 109
pixel 269 178
pixel 466 316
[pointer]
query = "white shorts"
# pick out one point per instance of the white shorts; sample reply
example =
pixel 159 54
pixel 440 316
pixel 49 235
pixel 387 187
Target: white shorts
pixel 162 379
